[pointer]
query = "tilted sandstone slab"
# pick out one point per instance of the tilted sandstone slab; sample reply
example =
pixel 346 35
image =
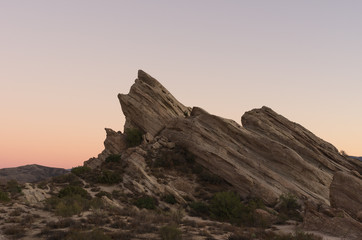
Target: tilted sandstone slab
pixel 346 193
pixel 311 148
pixel 149 105
pixel 254 164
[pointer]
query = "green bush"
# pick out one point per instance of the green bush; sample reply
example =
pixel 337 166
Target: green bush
pixel 170 232
pixel 177 158
pixel 146 202
pixel 13 187
pixel 73 190
pixel 103 193
pixel 4 197
pixel 289 208
pixel 109 177
pixel 69 178
pixel 199 209
pixel 71 205
pixel 81 170
pixel 113 158
pixel 169 198
pixel 226 206
pixel 96 234
pixel 211 178
pixel 133 137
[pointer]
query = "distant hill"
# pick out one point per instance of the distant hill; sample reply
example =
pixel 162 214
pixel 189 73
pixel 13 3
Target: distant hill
pixel 30 173
pixel 359 158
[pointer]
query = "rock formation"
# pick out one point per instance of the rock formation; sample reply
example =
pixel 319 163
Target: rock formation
pixel 268 155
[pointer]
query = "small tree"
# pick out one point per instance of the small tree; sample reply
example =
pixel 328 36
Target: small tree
pixel 133 137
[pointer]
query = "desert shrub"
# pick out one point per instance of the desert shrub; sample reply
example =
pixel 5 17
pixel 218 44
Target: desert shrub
pixel 299 235
pixel 16 212
pixel 42 185
pixel 71 200
pixel 209 177
pixel 13 187
pixel 177 158
pixel 4 197
pixel 235 236
pixel 117 194
pixel 289 208
pixel 170 232
pixel 146 202
pixel 17 231
pixel 73 190
pixel 96 203
pixel 103 193
pixel 98 218
pixel 109 177
pixel 71 205
pixel 199 209
pixel 61 223
pixel 255 203
pixel 69 178
pixel 169 198
pixel 96 234
pixel 133 137
pixel 226 206
pixel 113 158
pixel 81 170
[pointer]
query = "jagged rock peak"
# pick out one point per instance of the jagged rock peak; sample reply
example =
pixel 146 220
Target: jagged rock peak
pixel 149 105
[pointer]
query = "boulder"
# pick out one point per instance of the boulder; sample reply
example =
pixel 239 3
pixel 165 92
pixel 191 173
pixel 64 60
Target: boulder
pixel 338 224
pixel 346 193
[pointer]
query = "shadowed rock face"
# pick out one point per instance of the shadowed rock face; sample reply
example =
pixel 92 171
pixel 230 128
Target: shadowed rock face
pixel 30 173
pixel 149 106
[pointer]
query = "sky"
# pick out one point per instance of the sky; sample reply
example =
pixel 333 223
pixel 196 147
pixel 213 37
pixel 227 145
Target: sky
pixel 62 64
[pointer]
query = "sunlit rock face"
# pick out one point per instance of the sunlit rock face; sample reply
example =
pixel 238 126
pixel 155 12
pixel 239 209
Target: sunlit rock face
pixel 149 105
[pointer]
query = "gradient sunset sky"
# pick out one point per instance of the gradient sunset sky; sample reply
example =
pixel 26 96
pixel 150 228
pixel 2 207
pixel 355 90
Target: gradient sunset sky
pixel 64 62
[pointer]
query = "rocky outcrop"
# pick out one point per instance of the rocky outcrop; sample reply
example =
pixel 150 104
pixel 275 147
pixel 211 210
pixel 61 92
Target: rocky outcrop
pixel 34 195
pixel 332 222
pixel 346 193
pixel 267 156
pixel 30 173
pixel 311 148
pixel 149 106
pixel 115 143
pixel 256 165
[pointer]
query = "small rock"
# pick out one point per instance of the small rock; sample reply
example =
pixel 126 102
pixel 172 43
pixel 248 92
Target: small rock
pixel 170 145
pixel 156 145
pixel 359 216
pixel 147 138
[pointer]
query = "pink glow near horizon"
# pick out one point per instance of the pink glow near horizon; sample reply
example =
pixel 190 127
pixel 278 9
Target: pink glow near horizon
pixel 64 62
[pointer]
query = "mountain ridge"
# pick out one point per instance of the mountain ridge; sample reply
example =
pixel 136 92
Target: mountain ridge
pixel 30 173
